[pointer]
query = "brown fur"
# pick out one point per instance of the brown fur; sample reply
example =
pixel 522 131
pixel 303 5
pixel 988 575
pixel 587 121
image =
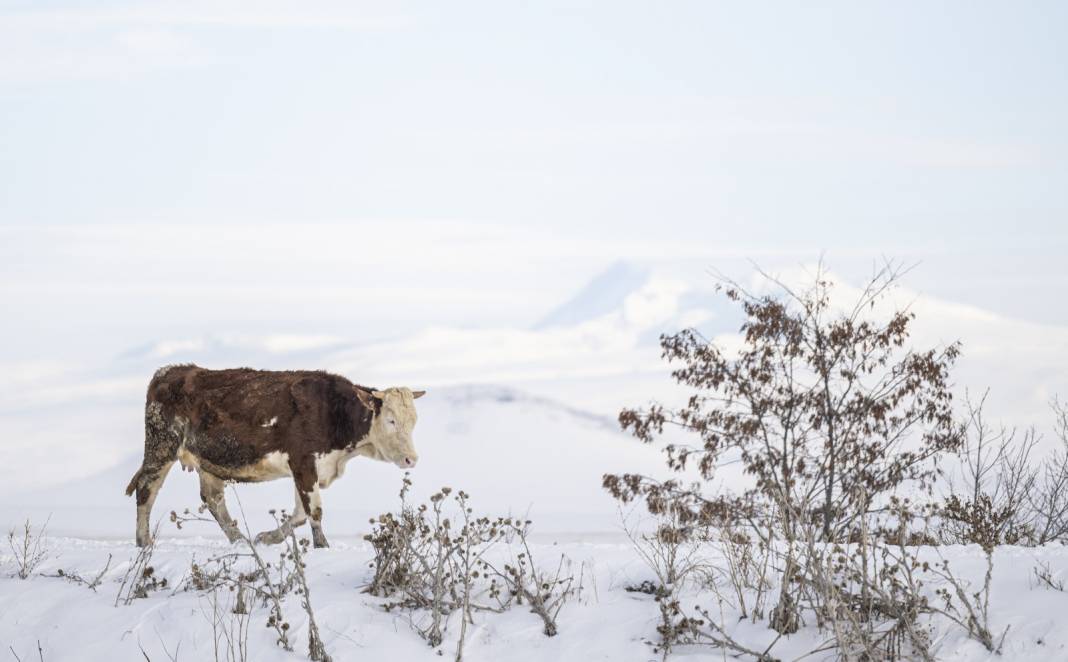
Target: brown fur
pixel 229 421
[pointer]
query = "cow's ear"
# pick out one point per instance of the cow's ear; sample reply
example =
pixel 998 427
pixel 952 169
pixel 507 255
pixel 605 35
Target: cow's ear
pixel 418 394
pixel 366 398
pixel 379 394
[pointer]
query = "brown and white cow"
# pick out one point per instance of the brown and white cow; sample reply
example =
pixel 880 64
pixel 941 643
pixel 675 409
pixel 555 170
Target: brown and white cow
pixel 247 425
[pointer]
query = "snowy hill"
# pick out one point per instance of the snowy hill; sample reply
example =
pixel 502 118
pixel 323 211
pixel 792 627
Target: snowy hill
pixel 594 353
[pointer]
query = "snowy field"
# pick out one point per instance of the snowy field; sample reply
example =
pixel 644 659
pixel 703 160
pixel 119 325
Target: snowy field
pixel 606 622
pixel 528 431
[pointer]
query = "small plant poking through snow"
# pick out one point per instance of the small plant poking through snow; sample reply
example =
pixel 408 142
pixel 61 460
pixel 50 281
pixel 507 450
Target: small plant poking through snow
pixel 28 549
pixel 229 621
pixel 140 578
pixel 269 582
pixel 433 559
pixel 75 578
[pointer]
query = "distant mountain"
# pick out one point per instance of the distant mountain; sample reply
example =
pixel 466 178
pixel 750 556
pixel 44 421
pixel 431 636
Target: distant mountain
pixel 645 299
pixel 604 294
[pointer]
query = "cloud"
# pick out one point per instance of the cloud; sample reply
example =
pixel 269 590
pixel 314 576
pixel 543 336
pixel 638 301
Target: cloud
pixel 78 43
pixel 228 14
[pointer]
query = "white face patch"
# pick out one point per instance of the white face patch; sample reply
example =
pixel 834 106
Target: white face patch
pixel 391 430
pixel 271 423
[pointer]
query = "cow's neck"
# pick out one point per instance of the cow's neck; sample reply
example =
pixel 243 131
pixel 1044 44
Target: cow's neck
pixel 331 466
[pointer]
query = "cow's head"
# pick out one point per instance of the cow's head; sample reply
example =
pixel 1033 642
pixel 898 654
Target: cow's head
pixel 392 424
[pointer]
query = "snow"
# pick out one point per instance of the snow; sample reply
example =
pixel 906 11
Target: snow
pixel 521 418
pixel 606 622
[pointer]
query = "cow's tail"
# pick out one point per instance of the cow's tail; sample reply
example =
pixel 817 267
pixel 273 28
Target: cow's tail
pixel 133 482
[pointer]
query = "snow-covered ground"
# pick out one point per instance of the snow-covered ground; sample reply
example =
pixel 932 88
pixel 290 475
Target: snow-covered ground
pixel 523 419
pixel 605 623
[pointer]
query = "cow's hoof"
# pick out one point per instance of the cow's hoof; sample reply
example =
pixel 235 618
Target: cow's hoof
pixel 320 543
pixel 268 538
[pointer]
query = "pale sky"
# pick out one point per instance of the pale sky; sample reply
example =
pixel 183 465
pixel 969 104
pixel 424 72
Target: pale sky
pixel 929 131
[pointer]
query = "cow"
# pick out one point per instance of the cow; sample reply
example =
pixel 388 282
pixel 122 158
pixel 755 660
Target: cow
pixel 243 425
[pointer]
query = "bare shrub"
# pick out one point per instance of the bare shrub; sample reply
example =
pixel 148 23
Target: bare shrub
pixel 423 562
pixel 544 591
pixel 748 562
pixel 990 502
pixel 1004 494
pixel 268 582
pixel 296 549
pixel 140 578
pixel 250 575
pixel 673 552
pixel 431 561
pixel 75 578
pixel 831 414
pixel 1044 576
pixel 971 609
pixel 869 593
pixel 229 621
pixel 1049 498
pixel 29 548
pixel 706 629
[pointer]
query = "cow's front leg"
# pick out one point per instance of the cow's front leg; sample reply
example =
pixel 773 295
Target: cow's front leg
pixel 314 506
pixel 275 536
pixel 213 495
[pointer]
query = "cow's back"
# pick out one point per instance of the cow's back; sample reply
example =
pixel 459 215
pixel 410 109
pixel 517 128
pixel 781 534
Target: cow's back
pixel 241 395
pixel 238 416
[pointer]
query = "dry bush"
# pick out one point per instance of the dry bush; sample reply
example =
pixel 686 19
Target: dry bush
pixel 869 594
pixel 832 414
pixel 971 609
pixel 673 551
pixel 140 578
pixel 1004 494
pixel 296 549
pixel 544 592
pixel 677 551
pixel 251 577
pixel 431 560
pixel 229 620
pixel 827 409
pixel 29 549
pixel 1044 576
pixel 75 578
pixel 1049 498
pixel 989 502
pixel 748 562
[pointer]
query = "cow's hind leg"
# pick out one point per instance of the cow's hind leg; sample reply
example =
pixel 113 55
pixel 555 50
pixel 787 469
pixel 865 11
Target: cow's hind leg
pixel 212 493
pixel 147 483
pixel 161 450
pixel 275 536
